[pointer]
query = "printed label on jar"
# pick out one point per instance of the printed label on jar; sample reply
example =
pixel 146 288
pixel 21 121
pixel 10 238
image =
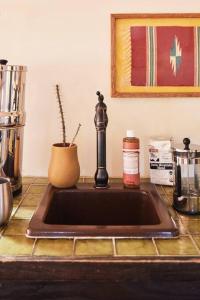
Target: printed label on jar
pixel 131 162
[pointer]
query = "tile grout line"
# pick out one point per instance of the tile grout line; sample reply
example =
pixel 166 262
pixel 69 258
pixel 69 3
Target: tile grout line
pixel 34 184
pixel 166 198
pixel 33 179
pixel 163 194
pixel 34 246
pixel 39 184
pixel 22 197
pixel 74 247
pixel 169 205
pixel 194 243
pixel 185 227
pixel 25 193
pixel 155 246
pixel 18 206
pixel 114 247
pixel 157 190
pixel 163 191
pixel 4 229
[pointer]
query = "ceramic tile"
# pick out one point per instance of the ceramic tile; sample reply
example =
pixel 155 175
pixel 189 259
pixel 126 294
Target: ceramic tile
pixel 15 245
pixel 168 190
pixel 41 180
pixel 28 180
pixel 2 228
pixel 135 247
pixel 192 225
pixel 88 179
pixel 197 240
pixel 181 246
pixel 111 180
pixel 13 242
pixel 169 199
pixel 173 213
pixel 164 198
pixel 17 199
pixel 181 227
pixel 24 212
pixel 81 179
pixel 94 247
pixel 160 190
pixel 37 189
pixel 16 227
pixel 188 217
pixel 31 200
pixel 52 247
pixel 115 180
pixel 144 179
pixel 14 209
pixel 25 188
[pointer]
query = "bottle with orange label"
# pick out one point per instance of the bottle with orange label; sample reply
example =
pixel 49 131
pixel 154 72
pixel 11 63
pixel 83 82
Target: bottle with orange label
pixel 131 173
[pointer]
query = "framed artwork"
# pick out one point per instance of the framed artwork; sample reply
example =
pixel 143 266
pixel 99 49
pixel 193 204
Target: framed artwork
pixel 155 55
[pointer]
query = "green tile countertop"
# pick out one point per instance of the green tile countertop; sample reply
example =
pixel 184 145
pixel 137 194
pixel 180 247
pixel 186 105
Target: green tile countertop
pixel 15 246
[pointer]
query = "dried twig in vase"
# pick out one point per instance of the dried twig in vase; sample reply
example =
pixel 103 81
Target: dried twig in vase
pixel 79 125
pixel 61 113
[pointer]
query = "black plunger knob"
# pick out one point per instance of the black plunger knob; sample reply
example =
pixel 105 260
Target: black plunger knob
pixel 3 62
pixel 186 142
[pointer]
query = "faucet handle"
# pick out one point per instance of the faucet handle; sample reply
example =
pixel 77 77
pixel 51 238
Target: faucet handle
pixel 101 97
pixel 101 118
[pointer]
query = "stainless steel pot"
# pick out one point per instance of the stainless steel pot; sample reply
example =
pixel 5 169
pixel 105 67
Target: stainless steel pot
pixel 12 120
pixel 6 200
pixel 11 146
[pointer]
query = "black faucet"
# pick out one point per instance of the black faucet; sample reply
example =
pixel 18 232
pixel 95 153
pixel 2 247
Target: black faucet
pixel 101 121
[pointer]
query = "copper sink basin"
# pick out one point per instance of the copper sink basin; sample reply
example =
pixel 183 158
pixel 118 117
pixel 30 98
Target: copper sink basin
pixel 85 211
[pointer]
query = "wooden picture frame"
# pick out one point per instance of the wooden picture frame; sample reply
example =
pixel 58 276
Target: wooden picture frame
pixel 155 55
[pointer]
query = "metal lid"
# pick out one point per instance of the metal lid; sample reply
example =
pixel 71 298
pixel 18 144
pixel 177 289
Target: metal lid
pixel 13 68
pixel 193 148
pixel 186 148
pixel 5 67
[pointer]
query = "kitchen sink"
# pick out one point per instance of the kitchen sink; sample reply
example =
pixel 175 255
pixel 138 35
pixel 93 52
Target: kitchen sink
pixel 88 212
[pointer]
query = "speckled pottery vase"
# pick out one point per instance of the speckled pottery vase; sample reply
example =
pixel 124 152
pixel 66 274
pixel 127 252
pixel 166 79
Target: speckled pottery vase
pixel 64 169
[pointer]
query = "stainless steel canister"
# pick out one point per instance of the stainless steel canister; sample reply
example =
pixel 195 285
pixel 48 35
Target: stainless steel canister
pixel 12 121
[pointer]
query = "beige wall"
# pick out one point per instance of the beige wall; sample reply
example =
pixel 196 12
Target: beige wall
pixel 68 42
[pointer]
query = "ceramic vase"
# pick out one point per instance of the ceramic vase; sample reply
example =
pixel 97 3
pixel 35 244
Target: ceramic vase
pixel 64 169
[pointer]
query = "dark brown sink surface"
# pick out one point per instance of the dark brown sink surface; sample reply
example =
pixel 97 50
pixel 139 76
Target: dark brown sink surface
pixel 85 211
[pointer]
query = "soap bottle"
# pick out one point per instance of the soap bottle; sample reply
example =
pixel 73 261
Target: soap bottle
pixel 131 174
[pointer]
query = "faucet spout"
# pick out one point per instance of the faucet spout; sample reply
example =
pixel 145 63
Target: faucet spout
pixel 101 122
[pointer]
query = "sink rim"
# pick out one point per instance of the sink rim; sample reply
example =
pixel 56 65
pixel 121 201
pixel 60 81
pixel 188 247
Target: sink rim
pixel 165 229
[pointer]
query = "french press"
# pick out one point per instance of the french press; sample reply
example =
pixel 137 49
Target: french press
pixel 186 196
